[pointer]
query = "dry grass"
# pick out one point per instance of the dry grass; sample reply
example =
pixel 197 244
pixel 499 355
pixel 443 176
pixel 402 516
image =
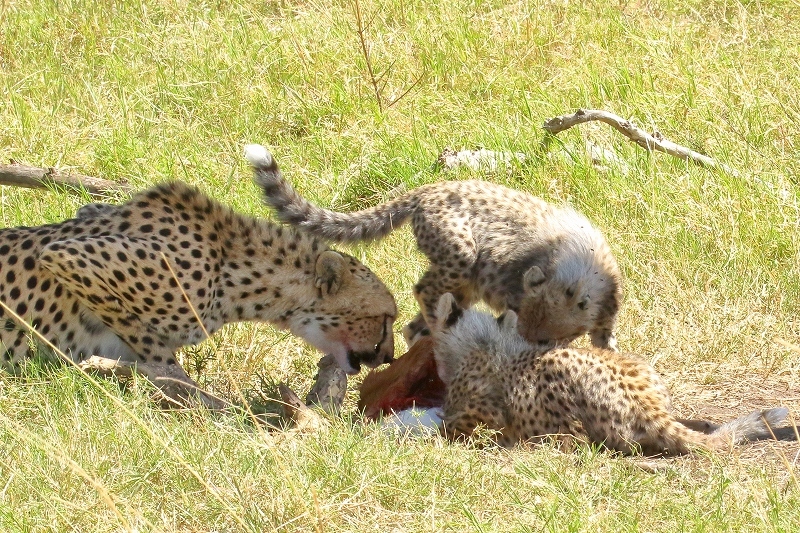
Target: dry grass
pixel 151 90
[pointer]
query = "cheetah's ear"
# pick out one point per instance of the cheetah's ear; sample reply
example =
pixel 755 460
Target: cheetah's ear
pixel 533 278
pixel 331 272
pixel 508 321
pixel 447 312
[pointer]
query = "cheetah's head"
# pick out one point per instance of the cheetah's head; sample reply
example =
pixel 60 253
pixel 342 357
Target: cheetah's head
pixel 555 311
pixel 461 334
pixel 352 315
pixel 471 349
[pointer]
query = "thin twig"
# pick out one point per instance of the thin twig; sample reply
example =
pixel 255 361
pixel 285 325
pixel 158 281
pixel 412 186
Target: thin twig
pixel 627 128
pixel 408 90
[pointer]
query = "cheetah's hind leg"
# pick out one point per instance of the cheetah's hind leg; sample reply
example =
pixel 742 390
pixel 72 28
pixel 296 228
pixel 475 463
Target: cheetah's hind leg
pixel 101 284
pixel 416 330
pixel 174 389
pixel 435 282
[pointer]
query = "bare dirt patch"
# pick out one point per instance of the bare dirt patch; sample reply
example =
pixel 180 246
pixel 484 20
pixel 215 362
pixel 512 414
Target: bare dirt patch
pixel 720 393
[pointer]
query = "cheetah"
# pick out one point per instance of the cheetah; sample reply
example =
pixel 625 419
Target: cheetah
pixel 485 242
pixel 497 379
pixel 117 282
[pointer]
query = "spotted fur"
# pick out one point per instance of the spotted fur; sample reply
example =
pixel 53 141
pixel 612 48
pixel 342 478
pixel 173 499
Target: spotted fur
pixel 485 242
pixel 100 284
pixel 496 379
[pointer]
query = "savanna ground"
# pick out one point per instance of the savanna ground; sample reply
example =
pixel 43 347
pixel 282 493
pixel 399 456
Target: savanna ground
pixel 147 91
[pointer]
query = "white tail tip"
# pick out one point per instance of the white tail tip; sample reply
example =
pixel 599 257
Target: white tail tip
pixel 257 155
pixel 775 416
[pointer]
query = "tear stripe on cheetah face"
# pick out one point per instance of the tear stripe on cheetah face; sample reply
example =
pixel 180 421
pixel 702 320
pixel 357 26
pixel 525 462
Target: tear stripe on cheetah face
pixel 497 379
pixel 97 285
pixel 484 242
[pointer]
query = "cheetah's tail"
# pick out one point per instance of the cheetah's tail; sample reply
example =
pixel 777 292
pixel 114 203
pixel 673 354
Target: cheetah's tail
pixel 678 439
pixel 291 208
pixel 757 425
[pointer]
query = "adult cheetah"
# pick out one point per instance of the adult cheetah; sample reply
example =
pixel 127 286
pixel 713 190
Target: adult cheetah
pixel 495 378
pixel 484 242
pixel 102 284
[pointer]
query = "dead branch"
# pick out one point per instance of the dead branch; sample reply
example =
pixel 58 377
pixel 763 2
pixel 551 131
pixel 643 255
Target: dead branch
pixel 43 178
pixel 361 31
pixel 627 128
pixel 377 81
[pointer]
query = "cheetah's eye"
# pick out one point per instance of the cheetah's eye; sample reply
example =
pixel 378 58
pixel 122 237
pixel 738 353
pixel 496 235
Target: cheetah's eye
pixel 570 292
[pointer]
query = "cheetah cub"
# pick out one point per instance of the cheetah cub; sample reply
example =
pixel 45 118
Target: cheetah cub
pixel 102 284
pixel 485 242
pixel 495 378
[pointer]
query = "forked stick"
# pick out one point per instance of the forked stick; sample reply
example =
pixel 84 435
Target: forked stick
pixel 642 138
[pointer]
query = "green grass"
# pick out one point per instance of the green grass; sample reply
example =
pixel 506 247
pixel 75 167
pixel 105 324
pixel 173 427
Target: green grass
pixel 147 91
